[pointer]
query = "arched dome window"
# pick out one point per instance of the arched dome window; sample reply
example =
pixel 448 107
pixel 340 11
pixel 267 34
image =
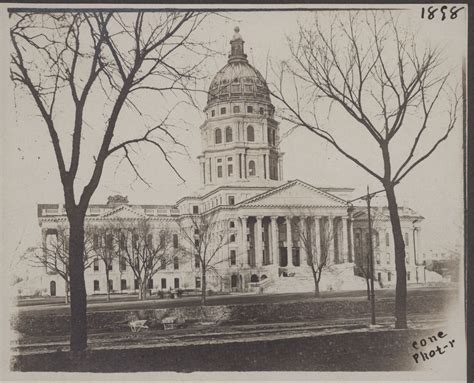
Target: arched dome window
pixel 218 134
pixel 252 168
pixel 228 134
pixel 250 133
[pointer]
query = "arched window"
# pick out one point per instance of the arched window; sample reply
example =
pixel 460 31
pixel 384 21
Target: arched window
pixel 254 278
pixel 252 168
pixel 232 238
pixel 52 288
pixel 250 133
pixel 218 134
pixel 228 134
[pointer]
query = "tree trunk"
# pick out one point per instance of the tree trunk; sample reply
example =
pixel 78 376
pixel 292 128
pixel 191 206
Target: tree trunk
pixel 367 281
pixel 140 291
pixel 203 286
pixel 107 277
pixel 78 341
pixel 66 292
pixel 401 285
pixel 316 283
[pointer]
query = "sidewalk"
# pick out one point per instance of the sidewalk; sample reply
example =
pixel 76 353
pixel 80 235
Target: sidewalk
pixel 215 334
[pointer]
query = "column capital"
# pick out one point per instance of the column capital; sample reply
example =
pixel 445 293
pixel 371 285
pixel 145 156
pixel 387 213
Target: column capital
pixel 259 217
pixel 274 217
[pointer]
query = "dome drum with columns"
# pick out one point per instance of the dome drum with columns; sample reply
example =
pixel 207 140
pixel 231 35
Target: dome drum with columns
pixel 268 221
pixel 240 137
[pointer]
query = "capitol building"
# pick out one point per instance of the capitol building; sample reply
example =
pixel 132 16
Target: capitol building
pixel 261 214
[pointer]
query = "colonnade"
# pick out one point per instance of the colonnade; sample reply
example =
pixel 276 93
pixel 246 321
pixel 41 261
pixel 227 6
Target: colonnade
pixel 287 240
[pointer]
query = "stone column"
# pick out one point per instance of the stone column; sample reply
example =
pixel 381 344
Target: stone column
pixel 258 242
pixel 280 168
pixel 244 248
pixel 303 235
pixel 350 238
pixel 329 237
pixel 274 245
pixel 345 241
pixel 317 238
pixel 289 240
pixel 419 248
pixel 267 165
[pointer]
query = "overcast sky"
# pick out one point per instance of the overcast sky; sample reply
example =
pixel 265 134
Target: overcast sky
pixel 30 176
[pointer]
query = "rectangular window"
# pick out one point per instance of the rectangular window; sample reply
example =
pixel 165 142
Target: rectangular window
pixel 123 264
pixel 408 275
pixel 261 110
pixel 379 276
pixel 163 283
pixel 198 282
pixel 236 109
pixel 195 209
pixel 163 264
pixel 135 284
pixel 109 266
pixel 387 239
pixel 176 283
pixel 197 262
pixel 96 285
pixel 233 258
pixel 249 109
pixel 219 171
pixel 111 285
pixel 213 113
pixel 175 241
pixel 96 264
pixel 389 276
pixel 176 263
pixel 150 283
pixel 231 200
pixel 223 110
pixel 406 239
pixel 230 170
pixel 123 284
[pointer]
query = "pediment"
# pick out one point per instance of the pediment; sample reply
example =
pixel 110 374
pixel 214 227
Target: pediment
pixel 295 193
pixel 123 212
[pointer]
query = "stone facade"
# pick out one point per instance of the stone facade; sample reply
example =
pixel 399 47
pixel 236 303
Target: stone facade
pixel 263 217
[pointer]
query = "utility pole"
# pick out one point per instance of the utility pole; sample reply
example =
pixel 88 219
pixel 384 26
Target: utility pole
pixel 367 198
pixel 371 256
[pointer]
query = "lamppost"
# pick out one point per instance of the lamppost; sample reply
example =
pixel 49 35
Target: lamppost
pixel 414 249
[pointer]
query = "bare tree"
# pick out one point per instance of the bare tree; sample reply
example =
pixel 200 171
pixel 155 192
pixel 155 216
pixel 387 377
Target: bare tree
pixel 85 61
pixel 365 65
pixel 54 256
pixel 145 249
pixel 316 246
pixel 204 236
pixel 103 238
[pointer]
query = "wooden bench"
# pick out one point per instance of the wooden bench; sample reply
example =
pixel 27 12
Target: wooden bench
pixel 137 325
pixel 169 323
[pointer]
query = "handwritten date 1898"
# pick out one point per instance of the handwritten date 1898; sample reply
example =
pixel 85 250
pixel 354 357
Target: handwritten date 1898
pixel 442 13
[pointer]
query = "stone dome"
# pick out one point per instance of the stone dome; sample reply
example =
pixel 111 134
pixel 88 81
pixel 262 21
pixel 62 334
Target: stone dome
pixel 238 79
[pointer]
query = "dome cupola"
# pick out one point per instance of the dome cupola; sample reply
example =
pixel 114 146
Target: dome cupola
pixel 238 80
